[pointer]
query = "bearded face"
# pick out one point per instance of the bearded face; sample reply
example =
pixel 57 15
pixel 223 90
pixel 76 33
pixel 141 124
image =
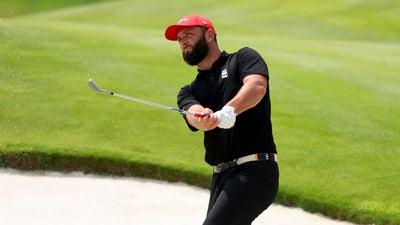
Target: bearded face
pixel 198 53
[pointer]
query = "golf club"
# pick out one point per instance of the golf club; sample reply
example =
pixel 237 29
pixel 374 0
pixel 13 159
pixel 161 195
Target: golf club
pixel 94 86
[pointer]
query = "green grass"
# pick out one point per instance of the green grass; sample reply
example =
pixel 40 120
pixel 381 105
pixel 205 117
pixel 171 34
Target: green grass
pixel 10 8
pixel 334 82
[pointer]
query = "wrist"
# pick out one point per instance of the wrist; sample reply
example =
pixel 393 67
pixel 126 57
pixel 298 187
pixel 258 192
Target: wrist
pixel 229 109
pixel 226 117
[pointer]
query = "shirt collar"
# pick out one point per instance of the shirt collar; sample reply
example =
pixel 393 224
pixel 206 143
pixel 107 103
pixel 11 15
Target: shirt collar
pixel 221 60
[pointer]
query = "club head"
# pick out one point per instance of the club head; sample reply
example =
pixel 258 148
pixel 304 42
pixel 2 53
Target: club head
pixel 93 85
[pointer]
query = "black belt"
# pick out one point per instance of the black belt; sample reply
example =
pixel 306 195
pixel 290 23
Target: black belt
pixel 249 158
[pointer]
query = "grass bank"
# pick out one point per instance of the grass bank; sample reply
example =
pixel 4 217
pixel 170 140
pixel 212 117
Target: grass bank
pixel 95 161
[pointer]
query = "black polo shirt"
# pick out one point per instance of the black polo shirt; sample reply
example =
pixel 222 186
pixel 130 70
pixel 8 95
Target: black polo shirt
pixel 252 132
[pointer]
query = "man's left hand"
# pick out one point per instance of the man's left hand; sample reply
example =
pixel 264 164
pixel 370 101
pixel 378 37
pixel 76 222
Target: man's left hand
pixel 226 117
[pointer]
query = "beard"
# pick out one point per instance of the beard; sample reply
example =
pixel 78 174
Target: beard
pixel 198 53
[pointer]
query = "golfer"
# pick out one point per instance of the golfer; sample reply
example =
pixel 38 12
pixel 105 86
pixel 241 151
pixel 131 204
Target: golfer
pixel 231 93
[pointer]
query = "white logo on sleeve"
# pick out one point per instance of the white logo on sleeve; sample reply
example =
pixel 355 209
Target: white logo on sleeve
pixel 224 73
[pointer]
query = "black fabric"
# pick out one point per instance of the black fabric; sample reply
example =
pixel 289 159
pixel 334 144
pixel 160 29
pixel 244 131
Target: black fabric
pixel 242 193
pixel 252 132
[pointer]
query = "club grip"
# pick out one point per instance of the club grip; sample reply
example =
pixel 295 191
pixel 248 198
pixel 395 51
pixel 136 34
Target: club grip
pixel 199 115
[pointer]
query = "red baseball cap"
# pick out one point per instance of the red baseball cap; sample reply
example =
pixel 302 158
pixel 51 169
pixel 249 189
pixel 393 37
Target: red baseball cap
pixel 187 21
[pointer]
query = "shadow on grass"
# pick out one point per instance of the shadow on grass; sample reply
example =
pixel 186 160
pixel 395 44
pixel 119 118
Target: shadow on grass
pixel 34 160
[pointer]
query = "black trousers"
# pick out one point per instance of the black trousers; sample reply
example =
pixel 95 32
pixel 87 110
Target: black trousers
pixel 241 193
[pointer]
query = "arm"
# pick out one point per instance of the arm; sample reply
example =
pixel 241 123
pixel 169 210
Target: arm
pixel 250 94
pixel 254 73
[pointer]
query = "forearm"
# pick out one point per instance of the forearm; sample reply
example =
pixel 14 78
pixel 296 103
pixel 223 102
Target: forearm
pixel 250 94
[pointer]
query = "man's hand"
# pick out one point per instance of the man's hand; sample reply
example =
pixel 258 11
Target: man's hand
pixel 226 117
pixel 207 122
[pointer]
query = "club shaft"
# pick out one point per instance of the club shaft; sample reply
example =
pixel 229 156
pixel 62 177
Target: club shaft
pixel 152 104
pixel 94 86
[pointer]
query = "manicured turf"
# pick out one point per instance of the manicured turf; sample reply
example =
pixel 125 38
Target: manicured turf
pixel 334 82
pixel 10 8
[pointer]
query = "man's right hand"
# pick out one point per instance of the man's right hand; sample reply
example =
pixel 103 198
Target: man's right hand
pixel 208 122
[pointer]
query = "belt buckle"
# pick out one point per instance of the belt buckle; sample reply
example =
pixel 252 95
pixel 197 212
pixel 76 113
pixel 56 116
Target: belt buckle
pixel 225 166
pixel 222 167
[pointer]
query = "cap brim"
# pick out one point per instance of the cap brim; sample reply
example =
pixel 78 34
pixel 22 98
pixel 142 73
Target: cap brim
pixel 172 31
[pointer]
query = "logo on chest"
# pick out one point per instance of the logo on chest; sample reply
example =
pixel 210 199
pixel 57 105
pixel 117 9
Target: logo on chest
pixel 224 73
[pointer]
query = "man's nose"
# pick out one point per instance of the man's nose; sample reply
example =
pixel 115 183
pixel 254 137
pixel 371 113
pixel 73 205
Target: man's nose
pixel 183 44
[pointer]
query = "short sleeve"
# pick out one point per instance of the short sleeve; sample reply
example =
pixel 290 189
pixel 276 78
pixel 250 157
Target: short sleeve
pixel 250 62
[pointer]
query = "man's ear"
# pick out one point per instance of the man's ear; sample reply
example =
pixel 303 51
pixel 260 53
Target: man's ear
pixel 210 36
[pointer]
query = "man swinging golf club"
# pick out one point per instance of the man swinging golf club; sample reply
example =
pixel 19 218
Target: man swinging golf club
pixel 231 93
